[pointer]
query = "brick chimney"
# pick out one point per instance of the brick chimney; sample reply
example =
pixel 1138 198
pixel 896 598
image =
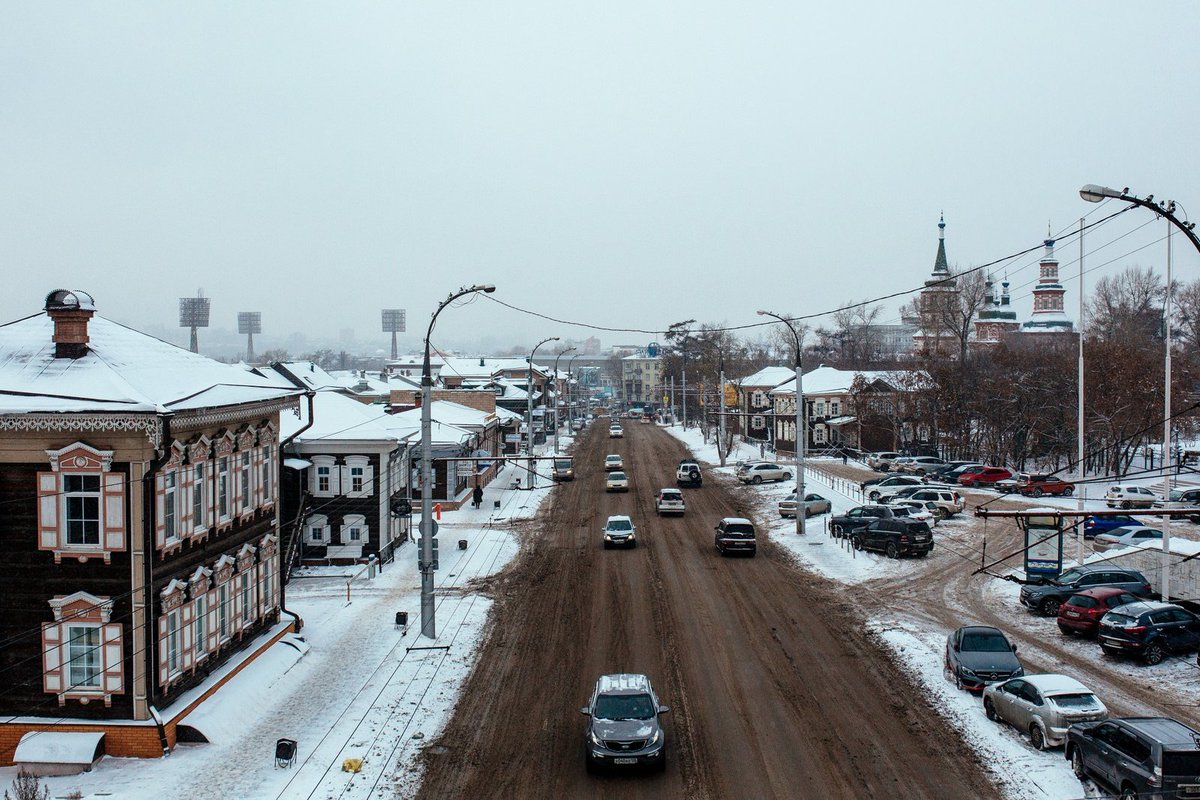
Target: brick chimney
pixel 70 311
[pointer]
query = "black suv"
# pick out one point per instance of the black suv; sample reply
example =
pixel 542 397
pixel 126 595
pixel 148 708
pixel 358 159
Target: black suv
pixel 1046 598
pixel 896 537
pixel 1151 630
pixel 736 535
pixel 1137 756
pixel 857 518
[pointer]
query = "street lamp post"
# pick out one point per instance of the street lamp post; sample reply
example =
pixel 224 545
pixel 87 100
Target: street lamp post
pixel 556 358
pixel 570 391
pixel 1166 209
pixel 529 414
pixel 425 563
pixel 801 433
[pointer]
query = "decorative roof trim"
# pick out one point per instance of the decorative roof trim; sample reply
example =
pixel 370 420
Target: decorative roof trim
pixel 239 413
pixel 149 424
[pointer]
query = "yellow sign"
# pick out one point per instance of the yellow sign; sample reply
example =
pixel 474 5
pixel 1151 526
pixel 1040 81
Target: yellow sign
pixel 731 395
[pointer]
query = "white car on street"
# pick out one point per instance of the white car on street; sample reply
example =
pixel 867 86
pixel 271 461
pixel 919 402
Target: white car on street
pixel 915 509
pixel 669 501
pixel 1042 706
pixel 619 530
pixel 613 461
pixel 763 471
pixel 616 482
pixel 1130 496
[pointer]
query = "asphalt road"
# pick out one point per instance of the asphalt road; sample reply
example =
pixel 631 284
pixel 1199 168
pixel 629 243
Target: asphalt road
pixel 775 690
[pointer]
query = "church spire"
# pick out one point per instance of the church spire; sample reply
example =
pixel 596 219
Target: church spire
pixel 940 265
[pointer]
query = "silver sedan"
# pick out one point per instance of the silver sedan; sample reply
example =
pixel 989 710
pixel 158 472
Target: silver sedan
pixel 813 504
pixel 1043 706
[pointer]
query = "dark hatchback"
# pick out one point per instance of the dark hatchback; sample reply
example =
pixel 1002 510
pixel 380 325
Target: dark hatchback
pixel 977 655
pixel 1150 630
pixel 1047 598
pixel 736 535
pixel 1139 757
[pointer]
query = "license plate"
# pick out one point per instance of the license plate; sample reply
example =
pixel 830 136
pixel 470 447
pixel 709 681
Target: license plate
pixel 624 760
pixel 1072 613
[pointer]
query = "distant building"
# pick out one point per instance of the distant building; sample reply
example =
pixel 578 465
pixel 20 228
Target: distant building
pixel 754 420
pixel 1048 315
pixel 997 319
pixel 937 303
pixel 641 379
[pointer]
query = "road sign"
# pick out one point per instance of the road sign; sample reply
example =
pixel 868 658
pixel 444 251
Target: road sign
pixel 1043 544
pixel 421 527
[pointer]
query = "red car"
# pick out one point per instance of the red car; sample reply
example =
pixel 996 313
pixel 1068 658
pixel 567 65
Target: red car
pixel 1082 612
pixel 986 476
pixel 1038 485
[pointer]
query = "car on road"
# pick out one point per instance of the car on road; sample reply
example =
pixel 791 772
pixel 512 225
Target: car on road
pixel 1139 757
pixel 980 655
pixel 1183 498
pixel 882 460
pixel 616 481
pixel 1043 706
pixel 1033 485
pixel 763 471
pixel 857 518
pixel 921 465
pixel 669 501
pixel 735 535
pixel 813 504
pixel 1046 598
pixel 1130 496
pixel 563 470
pixel 688 473
pixel 613 461
pixel 1149 629
pixel 876 487
pixel 624 726
pixel 1126 537
pixel 1094 526
pixel 616 432
pixel 984 477
pixel 619 530
pixel 895 537
pixel 1081 612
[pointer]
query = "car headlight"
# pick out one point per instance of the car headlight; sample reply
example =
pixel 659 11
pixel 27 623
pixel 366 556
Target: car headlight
pixel 595 740
pixel 655 738
pixel 964 671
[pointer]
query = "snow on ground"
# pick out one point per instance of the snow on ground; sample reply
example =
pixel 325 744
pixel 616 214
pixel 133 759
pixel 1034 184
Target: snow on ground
pixel 359 692
pixel 1021 771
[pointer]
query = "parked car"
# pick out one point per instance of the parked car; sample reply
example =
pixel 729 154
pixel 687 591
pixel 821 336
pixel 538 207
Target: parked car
pixel 922 465
pixel 1034 485
pixel 1140 757
pixel 613 461
pixel 882 460
pixel 688 473
pixel 914 510
pixel 813 504
pixel 948 501
pixel 1044 706
pixel 858 517
pixel 577 425
pixel 616 482
pixel 1130 496
pixel 1126 536
pixel 619 530
pixel 764 471
pixel 735 535
pixel 1093 526
pixel 1149 629
pixel 878 487
pixel 987 476
pixel 956 467
pixel 1046 598
pixel 891 493
pixel 979 655
pixel 898 463
pixel 896 537
pixel 669 501
pixel 1082 611
pixel 563 470
pixel 624 726
pixel 1184 498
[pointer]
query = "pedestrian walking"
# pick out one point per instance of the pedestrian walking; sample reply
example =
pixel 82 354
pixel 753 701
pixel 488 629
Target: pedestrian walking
pixel 844 456
pixel 477 496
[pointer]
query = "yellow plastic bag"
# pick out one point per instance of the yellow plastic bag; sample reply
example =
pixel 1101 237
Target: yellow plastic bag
pixel 352 765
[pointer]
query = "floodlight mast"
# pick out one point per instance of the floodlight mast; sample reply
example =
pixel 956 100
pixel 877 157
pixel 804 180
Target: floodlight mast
pixel 249 323
pixel 393 323
pixel 193 313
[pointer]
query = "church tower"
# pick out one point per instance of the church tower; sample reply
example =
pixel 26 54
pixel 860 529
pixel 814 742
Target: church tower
pixel 937 303
pixel 1048 310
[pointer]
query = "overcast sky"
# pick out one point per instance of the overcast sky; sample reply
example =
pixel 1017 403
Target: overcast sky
pixel 627 164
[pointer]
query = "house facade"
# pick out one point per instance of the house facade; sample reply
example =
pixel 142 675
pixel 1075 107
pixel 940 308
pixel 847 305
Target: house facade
pixel 641 379
pixel 139 503
pixel 755 420
pixel 831 400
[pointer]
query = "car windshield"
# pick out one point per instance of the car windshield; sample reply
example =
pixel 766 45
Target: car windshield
pixel 616 476
pixel 1076 700
pixel 1176 494
pixel 1068 577
pixel 564 464
pixel 624 706
pixel 620 525
pixel 1119 620
pixel 985 643
pixel 671 496
pixel 740 530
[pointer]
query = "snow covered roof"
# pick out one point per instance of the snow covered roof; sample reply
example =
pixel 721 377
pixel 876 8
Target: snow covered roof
pixel 339 418
pixel 308 373
pixel 58 747
pixel 830 380
pixel 769 376
pixel 408 424
pixel 485 367
pixel 123 370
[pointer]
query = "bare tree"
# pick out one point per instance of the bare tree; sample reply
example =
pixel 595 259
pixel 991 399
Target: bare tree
pixel 1126 306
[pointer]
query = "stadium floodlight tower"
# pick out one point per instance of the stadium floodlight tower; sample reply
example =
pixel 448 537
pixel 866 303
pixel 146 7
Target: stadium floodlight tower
pixel 193 313
pixel 249 323
pixel 393 323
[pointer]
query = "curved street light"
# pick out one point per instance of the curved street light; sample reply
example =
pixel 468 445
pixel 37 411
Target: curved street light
pixel 570 393
pixel 556 358
pixel 529 413
pixel 425 563
pixel 1094 193
pixel 801 433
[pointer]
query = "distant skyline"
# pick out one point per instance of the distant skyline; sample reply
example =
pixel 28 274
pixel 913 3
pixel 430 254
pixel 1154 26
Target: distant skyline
pixel 623 164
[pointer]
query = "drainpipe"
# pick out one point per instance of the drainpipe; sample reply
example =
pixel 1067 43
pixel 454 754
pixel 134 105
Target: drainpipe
pixel 148 626
pixel 309 394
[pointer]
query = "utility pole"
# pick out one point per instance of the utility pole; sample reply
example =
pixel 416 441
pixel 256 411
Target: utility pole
pixel 1079 438
pixel 721 446
pixel 532 464
pixel 1166 445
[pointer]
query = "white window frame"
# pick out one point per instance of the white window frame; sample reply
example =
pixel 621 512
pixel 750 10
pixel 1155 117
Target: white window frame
pixel 95 654
pixel 316 522
pixel 174 644
pixel 224 626
pixel 332 486
pixel 200 627
pixel 244 588
pixel 97 495
pixel 171 521
pixel 224 498
pixel 245 479
pixel 268 475
pixel 199 496
pixel 350 522
pixel 367 477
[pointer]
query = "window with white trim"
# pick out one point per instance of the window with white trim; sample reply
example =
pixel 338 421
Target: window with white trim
pixel 246 609
pixel 244 477
pixel 359 477
pixel 171 505
pixel 318 529
pixel 81 509
pixel 354 529
pixel 835 407
pixel 268 476
pixel 83 657
pixel 223 611
pixel 819 434
pixel 174 644
pixel 199 497
pixel 223 488
pixel 324 477
pixel 200 626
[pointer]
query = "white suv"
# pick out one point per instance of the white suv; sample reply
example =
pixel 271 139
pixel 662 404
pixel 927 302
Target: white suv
pixel 948 501
pixel 619 530
pixel 1128 496
pixel 763 471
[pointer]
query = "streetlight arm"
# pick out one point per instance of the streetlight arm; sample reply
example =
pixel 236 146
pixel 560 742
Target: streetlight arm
pixel 487 288
pixel 790 327
pixel 1094 193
